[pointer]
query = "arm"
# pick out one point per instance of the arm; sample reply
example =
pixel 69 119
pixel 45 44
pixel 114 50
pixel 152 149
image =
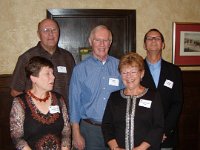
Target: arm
pixel 113 145
pixel 19 80
pixel 154 136
pixel 78 140
pixel 108 128
pixel 66 132
pixel 142 146
pixel 16 125
pixel 74 109
pixel 176 98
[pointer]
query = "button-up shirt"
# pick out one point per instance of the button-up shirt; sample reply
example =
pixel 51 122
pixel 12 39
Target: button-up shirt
pixel 90 87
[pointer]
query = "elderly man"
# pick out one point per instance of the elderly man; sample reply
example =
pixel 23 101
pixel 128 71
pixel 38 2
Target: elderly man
pixel 92 82
pixel 47 47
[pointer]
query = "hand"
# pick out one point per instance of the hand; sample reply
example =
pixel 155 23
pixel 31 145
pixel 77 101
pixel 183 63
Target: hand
pixel 26 148
pixel 138 148
pixel 142 146
pixel 65 148
pixel 78 142
pixel 164 138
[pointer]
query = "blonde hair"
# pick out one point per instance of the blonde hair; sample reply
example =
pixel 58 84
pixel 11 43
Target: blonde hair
pixel 131 59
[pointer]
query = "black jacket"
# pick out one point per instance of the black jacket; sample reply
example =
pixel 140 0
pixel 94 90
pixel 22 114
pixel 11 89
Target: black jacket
pixel 171 96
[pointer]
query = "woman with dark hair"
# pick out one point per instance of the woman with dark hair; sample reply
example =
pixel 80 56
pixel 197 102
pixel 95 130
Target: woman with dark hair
pixel 38 118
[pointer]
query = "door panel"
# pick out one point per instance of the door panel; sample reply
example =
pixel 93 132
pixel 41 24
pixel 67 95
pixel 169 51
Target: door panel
pixel 76 24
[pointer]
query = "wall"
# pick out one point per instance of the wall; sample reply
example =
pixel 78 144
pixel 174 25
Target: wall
pixel 19 22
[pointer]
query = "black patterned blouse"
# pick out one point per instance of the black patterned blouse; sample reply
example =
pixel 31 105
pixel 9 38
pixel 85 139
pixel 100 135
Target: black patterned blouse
pixel 39 131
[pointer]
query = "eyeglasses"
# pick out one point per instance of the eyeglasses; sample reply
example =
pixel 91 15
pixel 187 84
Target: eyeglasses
pixel 157 38
pixel 49 30
pixel 131 73
pixel 102 41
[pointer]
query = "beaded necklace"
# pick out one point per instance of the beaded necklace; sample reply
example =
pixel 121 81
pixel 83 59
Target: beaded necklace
pixel 39 99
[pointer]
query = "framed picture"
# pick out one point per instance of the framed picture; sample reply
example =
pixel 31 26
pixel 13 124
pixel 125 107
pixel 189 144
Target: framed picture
pixel 186 44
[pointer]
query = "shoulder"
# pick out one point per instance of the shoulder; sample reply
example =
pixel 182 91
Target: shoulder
pixel 29 53
pixel 115 95
pixel 65 52
pixel 170 65
pixel 151 94
pixel 113 59
pixel 21 99
pixel 88 62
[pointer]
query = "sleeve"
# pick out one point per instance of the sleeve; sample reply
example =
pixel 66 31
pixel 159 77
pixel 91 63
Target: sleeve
pixel 74 97
pixel 19 76
pixel 66 132
pixel 16 124
pixel 154 137
pixel 172 117
pixel 108 123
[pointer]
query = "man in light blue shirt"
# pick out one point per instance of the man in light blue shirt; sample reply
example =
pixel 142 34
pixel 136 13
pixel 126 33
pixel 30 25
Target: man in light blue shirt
pixel 155 70
pixel 91 84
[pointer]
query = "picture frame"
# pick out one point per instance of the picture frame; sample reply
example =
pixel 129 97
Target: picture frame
pixel 186 44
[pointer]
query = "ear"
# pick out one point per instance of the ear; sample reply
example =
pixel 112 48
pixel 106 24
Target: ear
pixel 163 46
pixel 90 41
pixel 144 46
pixel 142 74
pixel 33 79
pixel 38 34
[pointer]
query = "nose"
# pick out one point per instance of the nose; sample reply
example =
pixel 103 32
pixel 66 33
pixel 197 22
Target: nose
pixel 50 32
pixel 52 76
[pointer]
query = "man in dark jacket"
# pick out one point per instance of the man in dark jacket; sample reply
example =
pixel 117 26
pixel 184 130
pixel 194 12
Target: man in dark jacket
pixel 166 78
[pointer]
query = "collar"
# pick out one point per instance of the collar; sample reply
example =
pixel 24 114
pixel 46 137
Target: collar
pixel 156 65
pixel 44 51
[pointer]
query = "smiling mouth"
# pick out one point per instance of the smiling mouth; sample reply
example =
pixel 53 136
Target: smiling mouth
pixel 130 80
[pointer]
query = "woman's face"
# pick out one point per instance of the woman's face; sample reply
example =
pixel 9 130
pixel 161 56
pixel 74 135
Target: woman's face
pixel 131 76
pixel 45 80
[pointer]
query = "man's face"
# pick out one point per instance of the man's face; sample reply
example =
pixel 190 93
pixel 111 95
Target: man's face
pixel 100 43
pixel 48 33
pixel 153 42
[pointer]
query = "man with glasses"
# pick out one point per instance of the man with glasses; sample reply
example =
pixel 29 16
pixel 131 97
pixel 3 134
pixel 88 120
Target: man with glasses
pixel 166 78
pixel 63 61
pixel 91 84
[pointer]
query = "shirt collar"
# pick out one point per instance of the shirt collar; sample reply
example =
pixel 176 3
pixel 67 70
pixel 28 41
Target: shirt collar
pixel 156 65
pixel 43 50
pixel 97 60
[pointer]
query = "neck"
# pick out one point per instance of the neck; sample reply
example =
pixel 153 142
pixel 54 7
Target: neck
pixel 135 91
pixel 39 97
pixel 50 50
pixel 153 58
pixel 102 59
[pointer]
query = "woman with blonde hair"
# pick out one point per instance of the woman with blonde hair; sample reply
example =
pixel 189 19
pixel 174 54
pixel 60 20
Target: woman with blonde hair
pixel 133 118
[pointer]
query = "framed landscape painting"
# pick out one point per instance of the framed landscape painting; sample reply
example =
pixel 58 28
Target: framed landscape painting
pixel 186 44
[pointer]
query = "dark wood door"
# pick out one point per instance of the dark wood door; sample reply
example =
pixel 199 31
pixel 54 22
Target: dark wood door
pixel 76 24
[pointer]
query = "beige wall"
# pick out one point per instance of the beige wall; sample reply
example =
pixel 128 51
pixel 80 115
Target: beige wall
pixel 19 18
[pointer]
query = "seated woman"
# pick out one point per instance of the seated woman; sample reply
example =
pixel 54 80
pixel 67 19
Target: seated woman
pixel 38 118
pixel 133 118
